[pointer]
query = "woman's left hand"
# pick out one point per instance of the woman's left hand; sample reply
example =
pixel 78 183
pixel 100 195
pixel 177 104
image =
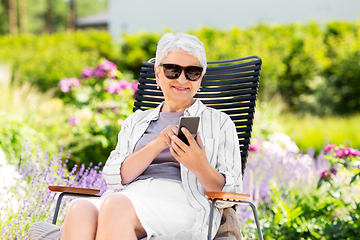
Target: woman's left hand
pixel 193 157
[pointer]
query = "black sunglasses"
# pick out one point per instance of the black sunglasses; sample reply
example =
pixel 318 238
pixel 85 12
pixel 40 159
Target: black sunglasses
pixel 173 71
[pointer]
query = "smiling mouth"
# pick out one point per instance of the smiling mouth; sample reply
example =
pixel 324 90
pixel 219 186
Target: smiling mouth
pixel 180 88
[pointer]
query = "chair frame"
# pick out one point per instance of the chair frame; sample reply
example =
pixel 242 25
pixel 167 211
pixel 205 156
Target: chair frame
pixel 236 96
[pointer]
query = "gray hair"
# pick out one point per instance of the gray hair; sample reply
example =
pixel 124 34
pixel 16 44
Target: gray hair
pixel 171 42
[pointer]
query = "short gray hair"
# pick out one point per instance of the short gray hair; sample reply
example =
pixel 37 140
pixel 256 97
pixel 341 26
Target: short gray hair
pixel 171 42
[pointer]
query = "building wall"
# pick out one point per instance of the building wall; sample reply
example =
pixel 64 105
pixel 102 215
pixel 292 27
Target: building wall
pixel 140 15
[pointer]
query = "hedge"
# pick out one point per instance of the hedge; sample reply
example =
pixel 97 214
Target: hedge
pixel 314 67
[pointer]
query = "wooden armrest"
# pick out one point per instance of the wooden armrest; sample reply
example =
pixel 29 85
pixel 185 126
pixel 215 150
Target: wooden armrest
pixel 227 195
pixel 74 190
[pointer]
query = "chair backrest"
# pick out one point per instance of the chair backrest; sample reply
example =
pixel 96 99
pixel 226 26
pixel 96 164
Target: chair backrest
pixel 228 85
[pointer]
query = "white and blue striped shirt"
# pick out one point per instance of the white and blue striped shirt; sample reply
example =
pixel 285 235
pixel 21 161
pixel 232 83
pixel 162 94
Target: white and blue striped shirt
pixel 221 144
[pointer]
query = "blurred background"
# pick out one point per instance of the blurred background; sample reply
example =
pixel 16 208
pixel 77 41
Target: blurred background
pixel 69 68
pixel 310 50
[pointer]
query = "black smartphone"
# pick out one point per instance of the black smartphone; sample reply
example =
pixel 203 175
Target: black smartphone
pixel 191 124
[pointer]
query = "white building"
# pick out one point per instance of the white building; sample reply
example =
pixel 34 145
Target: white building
pixel 145 15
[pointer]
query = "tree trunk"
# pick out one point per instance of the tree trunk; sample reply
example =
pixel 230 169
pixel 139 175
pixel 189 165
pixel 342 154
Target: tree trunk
pixel 13 29
pixel 49 25
pixel 71 16
pixel 23 17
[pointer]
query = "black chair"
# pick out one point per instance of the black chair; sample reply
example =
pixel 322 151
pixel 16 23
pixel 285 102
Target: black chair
pixel 230 86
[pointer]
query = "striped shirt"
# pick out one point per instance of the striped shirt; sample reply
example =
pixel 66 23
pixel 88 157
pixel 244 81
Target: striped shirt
pixel 217 132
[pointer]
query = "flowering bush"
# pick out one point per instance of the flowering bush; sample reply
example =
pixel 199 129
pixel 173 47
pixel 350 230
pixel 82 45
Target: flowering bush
pixel 345 160
pixel 24 197
pixel 282 183
pixel 96 103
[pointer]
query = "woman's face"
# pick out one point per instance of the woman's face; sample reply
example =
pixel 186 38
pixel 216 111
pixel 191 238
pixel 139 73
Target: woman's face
pixel 179 91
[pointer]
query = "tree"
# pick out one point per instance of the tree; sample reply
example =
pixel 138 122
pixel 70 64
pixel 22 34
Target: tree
pixel 13 29
pixel 71 16
pixel 49 26
pixel 23 23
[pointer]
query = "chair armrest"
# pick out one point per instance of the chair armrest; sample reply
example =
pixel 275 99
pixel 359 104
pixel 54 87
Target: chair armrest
pixel 228 196
pixel 74 190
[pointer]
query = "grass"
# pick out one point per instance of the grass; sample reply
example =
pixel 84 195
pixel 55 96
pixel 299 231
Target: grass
pixel 314 132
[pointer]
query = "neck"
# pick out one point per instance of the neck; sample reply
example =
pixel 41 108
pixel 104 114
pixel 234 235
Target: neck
pixel 176 106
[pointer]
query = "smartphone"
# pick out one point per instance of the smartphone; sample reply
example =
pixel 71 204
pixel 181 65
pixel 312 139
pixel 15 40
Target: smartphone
pixel 191 124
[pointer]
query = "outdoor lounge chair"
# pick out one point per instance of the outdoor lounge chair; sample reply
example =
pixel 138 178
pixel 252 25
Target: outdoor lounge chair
pixel 230 86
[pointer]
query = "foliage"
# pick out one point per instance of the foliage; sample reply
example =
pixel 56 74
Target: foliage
pixel 96 105
pixel 36 12
pixel 315 68
pixel 26 113
pixel 296 208
pixel 25 199
pixel 315 132
pixel 43 60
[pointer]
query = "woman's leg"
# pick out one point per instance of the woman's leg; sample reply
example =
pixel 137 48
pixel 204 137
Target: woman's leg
pixel 118 220
pixel 81 221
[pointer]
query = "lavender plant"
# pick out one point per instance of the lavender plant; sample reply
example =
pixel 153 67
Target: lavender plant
pixel 24 197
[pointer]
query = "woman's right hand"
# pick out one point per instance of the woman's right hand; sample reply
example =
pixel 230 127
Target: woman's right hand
pixel 164 137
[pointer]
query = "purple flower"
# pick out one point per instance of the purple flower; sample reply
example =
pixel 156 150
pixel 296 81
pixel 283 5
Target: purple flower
pixel 327 174
pixel 98 72
pixel 74 121
pixel 87 72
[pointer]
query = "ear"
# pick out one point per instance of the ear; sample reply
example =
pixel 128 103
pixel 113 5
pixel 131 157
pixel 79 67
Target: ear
pixel 157 76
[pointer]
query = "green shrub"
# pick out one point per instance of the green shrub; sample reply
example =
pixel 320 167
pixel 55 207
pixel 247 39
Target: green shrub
pixel 314 67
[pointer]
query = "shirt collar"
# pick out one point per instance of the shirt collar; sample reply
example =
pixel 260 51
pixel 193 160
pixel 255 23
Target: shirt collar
pixel 194 110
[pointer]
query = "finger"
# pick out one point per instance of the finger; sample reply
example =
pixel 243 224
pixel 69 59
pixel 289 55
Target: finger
pixel 188 135
pixel 199 141
pixel 176 150
pixel 177 144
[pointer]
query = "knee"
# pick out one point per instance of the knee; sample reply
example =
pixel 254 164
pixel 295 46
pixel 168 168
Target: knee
pixel 116 203
pixel 82 207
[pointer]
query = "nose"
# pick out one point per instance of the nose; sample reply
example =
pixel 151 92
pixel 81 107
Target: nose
pixel 182 78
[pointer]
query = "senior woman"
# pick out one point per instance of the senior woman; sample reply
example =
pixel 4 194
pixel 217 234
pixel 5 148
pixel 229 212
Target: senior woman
pixel 156 182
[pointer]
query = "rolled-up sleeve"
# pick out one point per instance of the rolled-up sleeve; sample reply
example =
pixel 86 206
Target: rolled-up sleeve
pixel 229 157
pixel 111 170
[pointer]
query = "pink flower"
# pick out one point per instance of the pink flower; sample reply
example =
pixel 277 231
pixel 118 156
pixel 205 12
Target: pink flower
pixel 98 72
pixel 134 86
pixel 345 152
pixel 74 121
pixel 117 86
pixel 354 152
pixel 74 82
pixel 328 147
pixel 107 66
pixel 87 72
pixel 113 87
pixel 339 153
pixel 255 148
pixel 66 84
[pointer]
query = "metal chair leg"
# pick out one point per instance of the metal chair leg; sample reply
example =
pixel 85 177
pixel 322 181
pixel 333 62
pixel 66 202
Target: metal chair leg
pixel 57 208
pixel 253 207
pixel 212 208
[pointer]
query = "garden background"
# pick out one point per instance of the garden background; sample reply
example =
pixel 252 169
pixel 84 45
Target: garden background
pixel 68 93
